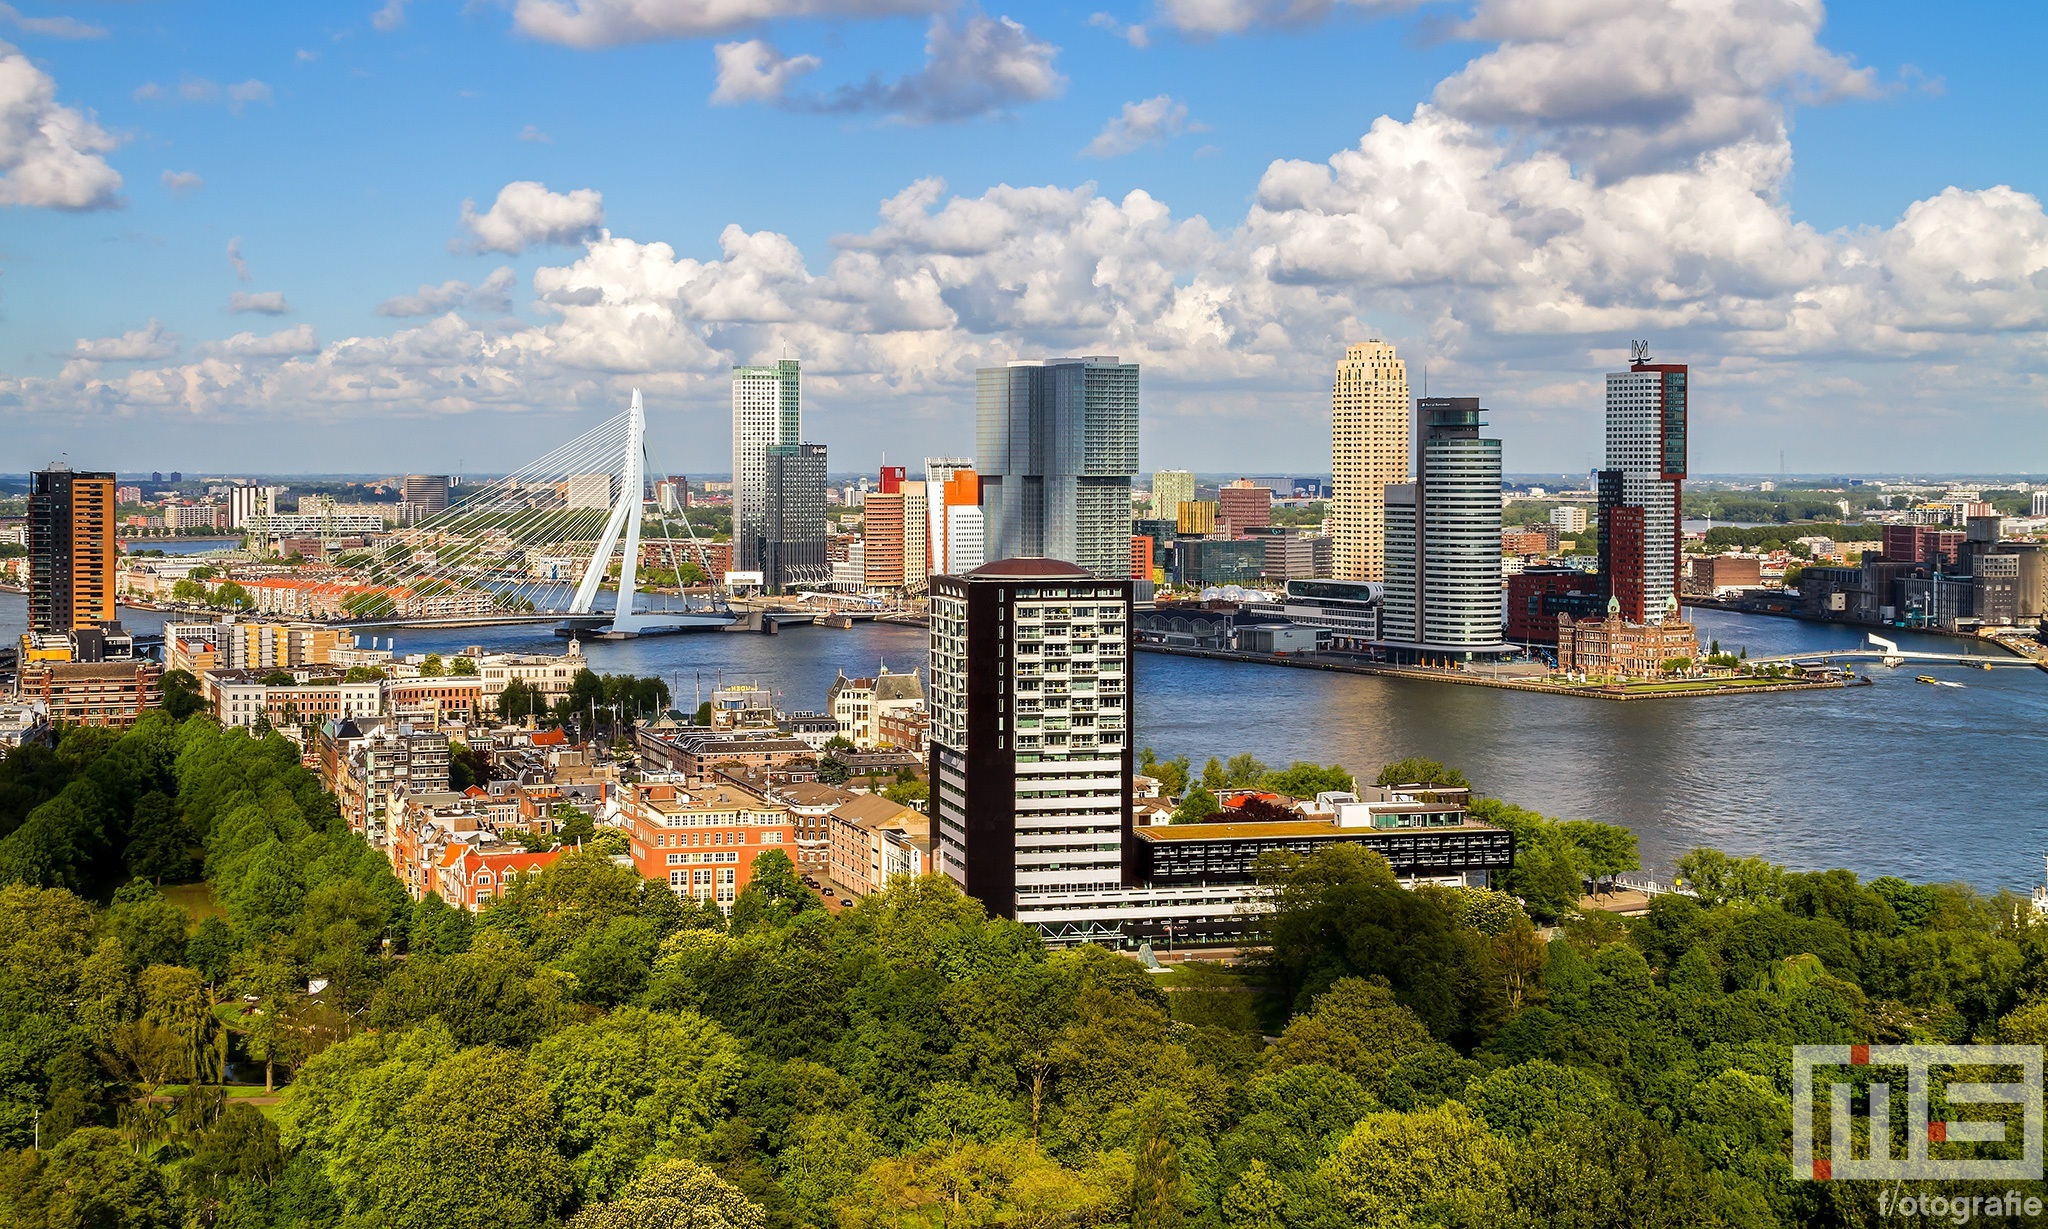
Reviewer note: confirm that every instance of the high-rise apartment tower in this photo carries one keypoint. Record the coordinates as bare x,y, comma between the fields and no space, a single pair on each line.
1056,444
1369,438
71,549
1030,728
767,409
1640,486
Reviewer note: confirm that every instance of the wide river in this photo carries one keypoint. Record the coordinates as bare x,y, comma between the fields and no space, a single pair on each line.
1931,783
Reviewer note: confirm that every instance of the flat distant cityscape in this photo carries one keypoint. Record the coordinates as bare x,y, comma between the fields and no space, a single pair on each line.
1039,566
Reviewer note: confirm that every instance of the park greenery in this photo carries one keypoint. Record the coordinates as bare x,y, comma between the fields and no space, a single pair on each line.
218,1007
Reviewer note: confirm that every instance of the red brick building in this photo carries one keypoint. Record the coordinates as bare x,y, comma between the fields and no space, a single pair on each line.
1920,543
109,693
1244,505
703,841
472,877
1614,647
1535,595
1621,529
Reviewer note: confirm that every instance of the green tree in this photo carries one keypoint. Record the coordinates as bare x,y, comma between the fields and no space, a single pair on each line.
1196,806
363,674
1356,1027
231,594
675,1193
431,667
476,1147
775,893
1302,779
463,667
1719,879
1417,771
161,845
181,692
94,1179
909,793
1432,1166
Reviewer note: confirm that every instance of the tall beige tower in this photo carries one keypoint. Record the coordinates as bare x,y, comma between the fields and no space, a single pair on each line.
1370,425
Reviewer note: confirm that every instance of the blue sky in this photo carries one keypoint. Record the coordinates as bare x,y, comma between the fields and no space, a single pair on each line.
1740,203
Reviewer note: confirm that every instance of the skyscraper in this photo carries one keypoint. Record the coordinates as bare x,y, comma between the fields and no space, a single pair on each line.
789,536
1030,735
1369,438
71,549
1639,488
1170,489
427,493
1056,443
1442,533
767,409
941,494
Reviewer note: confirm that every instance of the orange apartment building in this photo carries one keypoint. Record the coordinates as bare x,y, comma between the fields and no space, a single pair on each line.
470,878
703,840
71,548
882,531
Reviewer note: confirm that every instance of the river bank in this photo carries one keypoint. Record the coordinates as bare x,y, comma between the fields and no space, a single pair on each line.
1657,690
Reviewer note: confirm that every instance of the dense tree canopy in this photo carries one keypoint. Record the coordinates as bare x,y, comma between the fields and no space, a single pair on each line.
591,1051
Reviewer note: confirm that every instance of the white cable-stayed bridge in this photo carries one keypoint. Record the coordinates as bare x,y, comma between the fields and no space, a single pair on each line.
557,541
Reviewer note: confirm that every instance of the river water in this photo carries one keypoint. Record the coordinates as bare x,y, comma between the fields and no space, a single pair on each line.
1931,783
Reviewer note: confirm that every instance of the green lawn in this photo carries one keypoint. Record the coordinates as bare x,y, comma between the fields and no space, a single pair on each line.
196,899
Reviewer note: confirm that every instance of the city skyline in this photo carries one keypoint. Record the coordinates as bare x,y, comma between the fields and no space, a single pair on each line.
496,263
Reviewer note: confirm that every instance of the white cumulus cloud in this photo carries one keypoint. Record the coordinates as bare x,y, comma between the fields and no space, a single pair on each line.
50,155
182,183
1626,87
490,295
1202,18
973,66
262,302
149,343
1151,122
286,343
526,213
607,23
754,71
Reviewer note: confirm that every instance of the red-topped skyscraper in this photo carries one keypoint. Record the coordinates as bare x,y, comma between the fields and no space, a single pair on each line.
1641,483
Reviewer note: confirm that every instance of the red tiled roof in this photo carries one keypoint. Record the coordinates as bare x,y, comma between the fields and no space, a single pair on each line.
551,738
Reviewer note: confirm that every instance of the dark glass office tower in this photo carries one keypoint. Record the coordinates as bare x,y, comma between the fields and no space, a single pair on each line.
1056,443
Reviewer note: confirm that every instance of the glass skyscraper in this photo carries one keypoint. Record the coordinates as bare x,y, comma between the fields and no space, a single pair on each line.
1056,443
767,409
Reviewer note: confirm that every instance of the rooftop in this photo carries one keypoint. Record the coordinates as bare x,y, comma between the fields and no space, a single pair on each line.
1031,568
1309,829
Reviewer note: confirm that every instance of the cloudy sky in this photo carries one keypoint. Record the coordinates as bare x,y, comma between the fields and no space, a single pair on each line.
416,234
